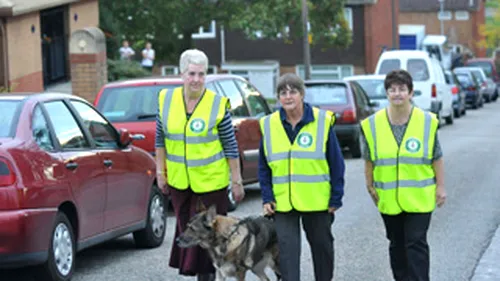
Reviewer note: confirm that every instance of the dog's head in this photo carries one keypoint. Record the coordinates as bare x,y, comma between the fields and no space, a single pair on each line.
200,227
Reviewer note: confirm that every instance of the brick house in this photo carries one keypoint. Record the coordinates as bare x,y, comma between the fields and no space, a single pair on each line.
370,21
461,19
34,38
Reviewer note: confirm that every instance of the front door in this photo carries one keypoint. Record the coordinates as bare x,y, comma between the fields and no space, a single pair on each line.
52,23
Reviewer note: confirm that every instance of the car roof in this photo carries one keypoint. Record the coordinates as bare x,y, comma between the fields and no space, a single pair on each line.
481,60
365,77
325,81
406,53
165,80
37,96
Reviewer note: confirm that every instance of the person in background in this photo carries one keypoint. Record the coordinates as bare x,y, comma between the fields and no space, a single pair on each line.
148,57
126,53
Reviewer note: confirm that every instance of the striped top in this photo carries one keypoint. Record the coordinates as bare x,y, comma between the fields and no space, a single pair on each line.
226,135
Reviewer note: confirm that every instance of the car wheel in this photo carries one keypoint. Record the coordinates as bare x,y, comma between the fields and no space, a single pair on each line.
449,119
61,260
457,113
153,234
231,203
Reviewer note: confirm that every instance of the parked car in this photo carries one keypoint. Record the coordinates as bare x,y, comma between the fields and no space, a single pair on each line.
489,67
428,78
69,180
488,87
474,94
132,104
459,93
349,102
373,85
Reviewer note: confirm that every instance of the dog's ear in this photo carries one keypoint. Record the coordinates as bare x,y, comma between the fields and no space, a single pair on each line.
211,214
200,207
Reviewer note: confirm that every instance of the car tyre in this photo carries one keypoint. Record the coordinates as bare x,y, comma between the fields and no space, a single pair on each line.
449,119
153,234
355,148
62,251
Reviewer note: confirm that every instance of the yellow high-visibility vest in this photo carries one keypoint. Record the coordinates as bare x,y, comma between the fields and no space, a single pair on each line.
194,153
300,172
403,175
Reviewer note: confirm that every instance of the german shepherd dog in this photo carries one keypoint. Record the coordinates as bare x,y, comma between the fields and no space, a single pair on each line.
234,245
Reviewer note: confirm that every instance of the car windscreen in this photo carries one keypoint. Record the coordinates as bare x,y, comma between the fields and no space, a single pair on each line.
326,94
389,65
374,88
464,79
418,69
131,104
486,66
8,119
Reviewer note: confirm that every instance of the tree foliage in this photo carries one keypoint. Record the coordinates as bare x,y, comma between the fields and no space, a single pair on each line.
169,24
490,31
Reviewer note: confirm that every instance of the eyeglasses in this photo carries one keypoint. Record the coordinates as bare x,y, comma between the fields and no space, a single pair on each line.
291,92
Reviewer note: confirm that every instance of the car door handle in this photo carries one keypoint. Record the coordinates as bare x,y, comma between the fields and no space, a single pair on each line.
71,165
108,163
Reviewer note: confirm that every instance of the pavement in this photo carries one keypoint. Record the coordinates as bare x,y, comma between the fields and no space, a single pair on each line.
488,268
462,239
62,87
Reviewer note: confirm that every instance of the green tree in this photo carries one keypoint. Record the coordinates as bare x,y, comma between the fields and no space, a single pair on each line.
171,23
490,31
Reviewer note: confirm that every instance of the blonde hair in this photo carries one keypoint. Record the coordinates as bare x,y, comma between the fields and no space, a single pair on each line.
192,56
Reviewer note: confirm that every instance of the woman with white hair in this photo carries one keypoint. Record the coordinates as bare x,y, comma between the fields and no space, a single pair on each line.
196,144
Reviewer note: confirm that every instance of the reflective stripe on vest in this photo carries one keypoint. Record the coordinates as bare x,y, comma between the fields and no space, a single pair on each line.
402,175
194,158
300,178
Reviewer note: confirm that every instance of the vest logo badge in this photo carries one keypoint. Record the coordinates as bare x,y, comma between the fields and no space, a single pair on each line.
197,125
305,140
412,145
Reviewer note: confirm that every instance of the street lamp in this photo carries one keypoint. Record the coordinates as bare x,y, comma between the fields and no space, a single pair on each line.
441,11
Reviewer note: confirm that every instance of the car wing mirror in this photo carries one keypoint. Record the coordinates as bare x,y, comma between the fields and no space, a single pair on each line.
125,138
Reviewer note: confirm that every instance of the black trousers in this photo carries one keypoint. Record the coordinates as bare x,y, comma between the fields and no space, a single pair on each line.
318,229
408,248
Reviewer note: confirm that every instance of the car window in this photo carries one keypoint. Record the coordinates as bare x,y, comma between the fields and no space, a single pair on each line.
258,105
326,94
374,88
40,130
464,79
478,75
486,66
102,132
238,107
359,95
131,104
212,87
68,133
389,65
8,120
418,69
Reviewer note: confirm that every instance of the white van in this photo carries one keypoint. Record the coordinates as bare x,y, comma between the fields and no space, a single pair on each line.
429,83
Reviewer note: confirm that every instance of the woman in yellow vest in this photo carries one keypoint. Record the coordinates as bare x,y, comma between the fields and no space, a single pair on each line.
404,175
196,147
301,175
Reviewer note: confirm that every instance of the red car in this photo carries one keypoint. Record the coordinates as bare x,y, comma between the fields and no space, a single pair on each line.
69,180
133,104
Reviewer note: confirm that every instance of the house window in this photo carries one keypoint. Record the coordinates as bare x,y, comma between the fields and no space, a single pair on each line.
326,71
445,15
205,32
348,17
462,15
174,70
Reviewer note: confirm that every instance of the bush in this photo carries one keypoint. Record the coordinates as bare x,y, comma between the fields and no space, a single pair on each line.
123,69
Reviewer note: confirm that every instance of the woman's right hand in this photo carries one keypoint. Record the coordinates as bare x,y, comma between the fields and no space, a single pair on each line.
162,184
269,208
